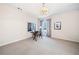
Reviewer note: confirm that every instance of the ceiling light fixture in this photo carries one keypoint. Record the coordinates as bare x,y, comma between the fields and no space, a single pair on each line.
44,9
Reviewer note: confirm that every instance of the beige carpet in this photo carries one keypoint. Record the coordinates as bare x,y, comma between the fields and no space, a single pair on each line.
44,46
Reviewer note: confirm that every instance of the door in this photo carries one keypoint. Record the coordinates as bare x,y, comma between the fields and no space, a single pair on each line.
45,27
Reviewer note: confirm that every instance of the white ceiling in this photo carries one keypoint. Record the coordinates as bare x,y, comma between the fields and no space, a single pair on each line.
53,8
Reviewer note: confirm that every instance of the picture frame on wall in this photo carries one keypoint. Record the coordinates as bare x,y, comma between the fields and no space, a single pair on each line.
57,25
31,27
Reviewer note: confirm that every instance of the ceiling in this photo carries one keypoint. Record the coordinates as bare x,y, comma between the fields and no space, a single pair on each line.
53,8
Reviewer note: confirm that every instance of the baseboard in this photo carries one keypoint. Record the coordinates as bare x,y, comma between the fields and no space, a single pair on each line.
64,39
13,42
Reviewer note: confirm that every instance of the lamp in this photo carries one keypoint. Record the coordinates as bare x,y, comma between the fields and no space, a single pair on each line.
44,9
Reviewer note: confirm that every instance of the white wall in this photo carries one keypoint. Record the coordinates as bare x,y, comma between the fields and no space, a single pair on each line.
13,24
70,26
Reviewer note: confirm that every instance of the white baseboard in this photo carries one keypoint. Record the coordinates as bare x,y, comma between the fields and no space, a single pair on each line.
65,39
12,42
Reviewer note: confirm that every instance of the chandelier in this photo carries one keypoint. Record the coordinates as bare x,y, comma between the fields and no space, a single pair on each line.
44,9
